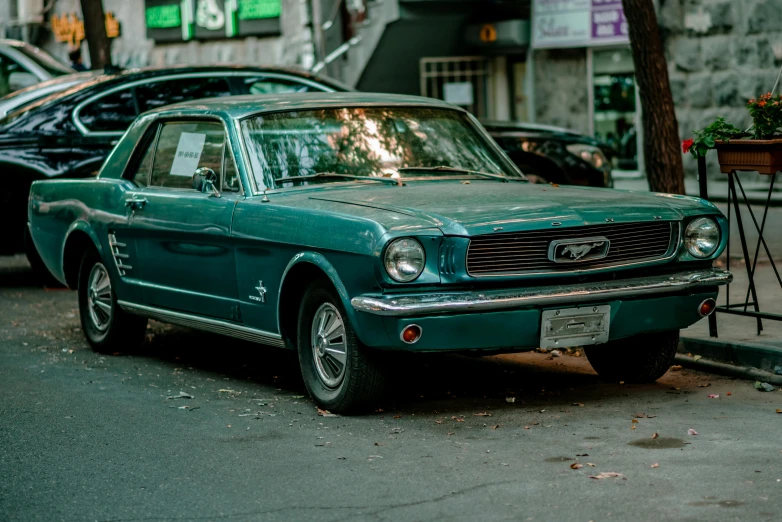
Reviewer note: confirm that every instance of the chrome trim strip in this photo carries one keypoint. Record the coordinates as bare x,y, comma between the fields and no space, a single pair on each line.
203,323
510,299
673,249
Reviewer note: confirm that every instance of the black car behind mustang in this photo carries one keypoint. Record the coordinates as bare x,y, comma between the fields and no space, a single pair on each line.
70,133
548,154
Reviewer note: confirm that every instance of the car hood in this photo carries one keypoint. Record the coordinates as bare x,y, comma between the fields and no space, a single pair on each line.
478,207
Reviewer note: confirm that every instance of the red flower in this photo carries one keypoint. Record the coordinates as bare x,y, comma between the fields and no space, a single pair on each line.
761,104
686,144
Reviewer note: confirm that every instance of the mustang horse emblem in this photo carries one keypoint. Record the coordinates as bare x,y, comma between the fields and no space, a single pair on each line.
578,251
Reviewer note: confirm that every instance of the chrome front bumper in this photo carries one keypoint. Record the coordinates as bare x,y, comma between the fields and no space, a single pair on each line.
495,300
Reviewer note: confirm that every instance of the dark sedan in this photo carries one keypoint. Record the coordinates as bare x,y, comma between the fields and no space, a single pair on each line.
68,134
548,154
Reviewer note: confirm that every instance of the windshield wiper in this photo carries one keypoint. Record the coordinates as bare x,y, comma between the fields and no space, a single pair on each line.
319,175
445,168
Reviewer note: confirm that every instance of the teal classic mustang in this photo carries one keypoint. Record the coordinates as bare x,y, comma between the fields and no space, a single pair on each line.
349,226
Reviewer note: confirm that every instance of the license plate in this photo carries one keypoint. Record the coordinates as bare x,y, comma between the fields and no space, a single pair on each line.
575,326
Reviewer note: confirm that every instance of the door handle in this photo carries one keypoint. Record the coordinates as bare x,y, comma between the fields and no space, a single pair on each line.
135,203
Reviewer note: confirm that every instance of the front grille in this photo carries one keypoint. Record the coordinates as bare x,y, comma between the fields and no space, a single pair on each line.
527,252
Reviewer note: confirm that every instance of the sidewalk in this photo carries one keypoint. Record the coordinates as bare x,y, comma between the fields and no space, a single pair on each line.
757,192
751,355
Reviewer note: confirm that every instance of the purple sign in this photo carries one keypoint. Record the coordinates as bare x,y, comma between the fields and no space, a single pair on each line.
608,20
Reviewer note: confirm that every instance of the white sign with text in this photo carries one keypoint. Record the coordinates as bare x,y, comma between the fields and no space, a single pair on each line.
188,154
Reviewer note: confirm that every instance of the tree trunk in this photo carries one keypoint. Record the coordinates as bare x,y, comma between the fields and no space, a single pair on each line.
662,153
95,33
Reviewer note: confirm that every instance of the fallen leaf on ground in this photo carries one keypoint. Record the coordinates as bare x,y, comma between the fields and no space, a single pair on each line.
582,454
576,465
691,432
225,390
482,414
605,474
510,399
655,465
714,396
634,421
763,386
644,416
438,421
632,426
181,395
704,385
779,410
655,435
590,465
495,427
579,404
729,394
326,413
457,419
526,427
697,357
676,367
398,416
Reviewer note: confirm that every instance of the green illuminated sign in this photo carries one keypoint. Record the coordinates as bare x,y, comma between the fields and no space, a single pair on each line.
163,16
257,9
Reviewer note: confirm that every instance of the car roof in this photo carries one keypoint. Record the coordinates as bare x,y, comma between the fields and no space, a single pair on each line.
247,105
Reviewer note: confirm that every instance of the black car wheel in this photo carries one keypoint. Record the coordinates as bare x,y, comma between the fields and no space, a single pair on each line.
106,326
340,373
643,358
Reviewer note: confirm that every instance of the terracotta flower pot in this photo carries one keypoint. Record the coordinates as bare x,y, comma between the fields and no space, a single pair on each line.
763,156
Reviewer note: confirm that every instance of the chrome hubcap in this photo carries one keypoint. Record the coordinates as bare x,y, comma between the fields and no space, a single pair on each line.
328,345
99,297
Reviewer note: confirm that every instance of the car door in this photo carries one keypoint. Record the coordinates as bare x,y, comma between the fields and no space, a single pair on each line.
180,223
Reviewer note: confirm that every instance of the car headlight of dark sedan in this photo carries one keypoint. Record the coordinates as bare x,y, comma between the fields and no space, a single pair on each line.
702,237
404,259
592,155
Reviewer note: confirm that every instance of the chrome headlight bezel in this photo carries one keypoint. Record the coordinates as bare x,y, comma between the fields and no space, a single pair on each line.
702,237
404,251
590,154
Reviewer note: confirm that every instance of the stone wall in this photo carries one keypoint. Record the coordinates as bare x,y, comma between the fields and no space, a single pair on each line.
720,54
561,95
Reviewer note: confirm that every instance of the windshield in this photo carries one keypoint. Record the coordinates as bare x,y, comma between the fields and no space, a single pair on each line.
368,142
45,60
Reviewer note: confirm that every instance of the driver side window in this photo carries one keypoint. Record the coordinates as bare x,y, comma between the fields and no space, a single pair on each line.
183,148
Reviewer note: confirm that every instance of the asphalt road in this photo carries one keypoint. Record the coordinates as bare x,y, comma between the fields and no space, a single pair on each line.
85,437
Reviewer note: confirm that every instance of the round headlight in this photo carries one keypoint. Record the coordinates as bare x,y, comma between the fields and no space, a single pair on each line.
702,237
404,259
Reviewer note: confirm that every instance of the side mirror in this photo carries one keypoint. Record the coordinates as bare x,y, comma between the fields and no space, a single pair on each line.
205,181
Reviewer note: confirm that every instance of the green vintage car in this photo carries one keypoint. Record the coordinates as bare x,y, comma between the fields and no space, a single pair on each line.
351,226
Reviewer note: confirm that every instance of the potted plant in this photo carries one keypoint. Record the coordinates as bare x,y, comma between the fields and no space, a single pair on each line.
758,148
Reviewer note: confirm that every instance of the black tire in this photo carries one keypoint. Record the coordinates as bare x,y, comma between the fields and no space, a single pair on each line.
363,377
41,273
119,331
644,358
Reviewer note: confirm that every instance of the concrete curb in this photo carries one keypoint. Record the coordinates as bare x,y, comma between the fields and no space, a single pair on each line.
752,361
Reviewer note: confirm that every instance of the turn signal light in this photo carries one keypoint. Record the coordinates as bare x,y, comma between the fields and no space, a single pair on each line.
707,307
411,333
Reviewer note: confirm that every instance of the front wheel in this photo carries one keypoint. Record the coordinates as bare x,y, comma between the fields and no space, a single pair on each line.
340,373
643,358
106,326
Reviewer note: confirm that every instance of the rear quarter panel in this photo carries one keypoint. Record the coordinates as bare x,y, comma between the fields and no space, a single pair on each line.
59,207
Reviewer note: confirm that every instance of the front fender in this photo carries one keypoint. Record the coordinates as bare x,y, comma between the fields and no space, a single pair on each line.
321,262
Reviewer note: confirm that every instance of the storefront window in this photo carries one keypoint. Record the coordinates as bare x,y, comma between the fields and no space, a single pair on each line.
615,119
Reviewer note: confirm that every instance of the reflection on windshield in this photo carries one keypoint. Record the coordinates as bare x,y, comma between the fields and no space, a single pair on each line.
367,142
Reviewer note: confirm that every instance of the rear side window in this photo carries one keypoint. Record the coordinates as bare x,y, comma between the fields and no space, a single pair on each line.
184,147
154,95
111,113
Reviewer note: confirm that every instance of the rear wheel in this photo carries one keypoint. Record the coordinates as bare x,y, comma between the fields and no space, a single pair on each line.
643,358
106,326
340,373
